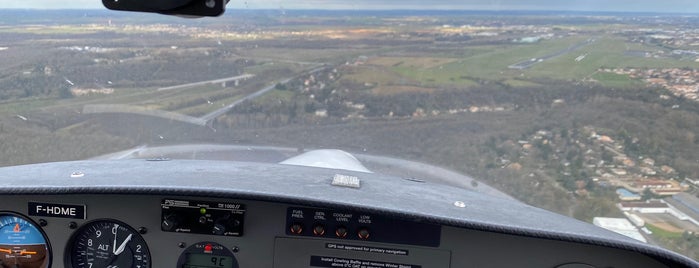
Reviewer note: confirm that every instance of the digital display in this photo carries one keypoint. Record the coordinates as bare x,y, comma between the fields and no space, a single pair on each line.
208,261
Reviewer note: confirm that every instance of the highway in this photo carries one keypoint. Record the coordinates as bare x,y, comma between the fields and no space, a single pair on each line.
213,81
218,112
130,109
212,115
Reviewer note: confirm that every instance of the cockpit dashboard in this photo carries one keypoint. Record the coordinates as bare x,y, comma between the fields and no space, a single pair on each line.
196,213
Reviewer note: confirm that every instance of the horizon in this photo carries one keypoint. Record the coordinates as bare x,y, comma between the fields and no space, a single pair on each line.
614,6
228,9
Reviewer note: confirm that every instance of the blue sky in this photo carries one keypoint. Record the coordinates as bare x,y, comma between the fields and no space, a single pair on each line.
691,6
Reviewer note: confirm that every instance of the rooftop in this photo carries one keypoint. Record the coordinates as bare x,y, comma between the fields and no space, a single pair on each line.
653,183
690,201
685,203
625,193
619,225
654,204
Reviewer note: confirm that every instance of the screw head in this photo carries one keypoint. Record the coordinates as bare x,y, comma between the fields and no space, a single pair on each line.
43,222
72,225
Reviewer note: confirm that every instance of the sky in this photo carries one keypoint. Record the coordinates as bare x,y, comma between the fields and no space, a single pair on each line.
683,6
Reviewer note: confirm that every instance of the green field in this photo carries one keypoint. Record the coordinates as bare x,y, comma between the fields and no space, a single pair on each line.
276,95
662,233
521,83
389,90
491,63
303,54
267,66
376,75
61,29
202,109
20,106
604,52
616,80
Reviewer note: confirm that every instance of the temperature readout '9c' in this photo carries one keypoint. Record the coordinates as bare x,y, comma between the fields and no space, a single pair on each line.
208,261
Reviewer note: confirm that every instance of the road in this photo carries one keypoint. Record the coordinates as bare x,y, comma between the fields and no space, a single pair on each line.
213,81
412,170
203,120
212,115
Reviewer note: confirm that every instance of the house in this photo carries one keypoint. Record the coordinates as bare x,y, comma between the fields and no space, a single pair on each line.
605,139
626,195
321,113
659,187
647,171
653,206
618,171
652,184
667,169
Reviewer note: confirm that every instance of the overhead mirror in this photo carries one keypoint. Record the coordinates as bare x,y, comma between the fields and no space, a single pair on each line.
187,8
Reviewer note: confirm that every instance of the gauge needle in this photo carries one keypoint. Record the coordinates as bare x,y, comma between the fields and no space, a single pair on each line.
24,251
123,245
9,251
114,231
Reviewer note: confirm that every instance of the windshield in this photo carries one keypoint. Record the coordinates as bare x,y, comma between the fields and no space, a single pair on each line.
585,108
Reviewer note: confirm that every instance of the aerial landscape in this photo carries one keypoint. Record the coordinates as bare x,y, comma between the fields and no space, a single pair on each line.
590,115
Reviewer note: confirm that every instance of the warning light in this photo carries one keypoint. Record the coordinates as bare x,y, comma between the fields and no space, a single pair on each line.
16,229
202,210
208,248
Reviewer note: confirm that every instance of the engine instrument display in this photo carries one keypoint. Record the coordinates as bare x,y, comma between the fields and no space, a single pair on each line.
207,255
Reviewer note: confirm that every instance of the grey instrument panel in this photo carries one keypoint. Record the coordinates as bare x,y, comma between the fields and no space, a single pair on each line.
265,241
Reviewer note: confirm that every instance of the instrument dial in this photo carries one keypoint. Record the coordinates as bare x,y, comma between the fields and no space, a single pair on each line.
22,243
108,243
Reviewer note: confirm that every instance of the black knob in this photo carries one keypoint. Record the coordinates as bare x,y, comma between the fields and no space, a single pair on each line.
169,223
219,229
